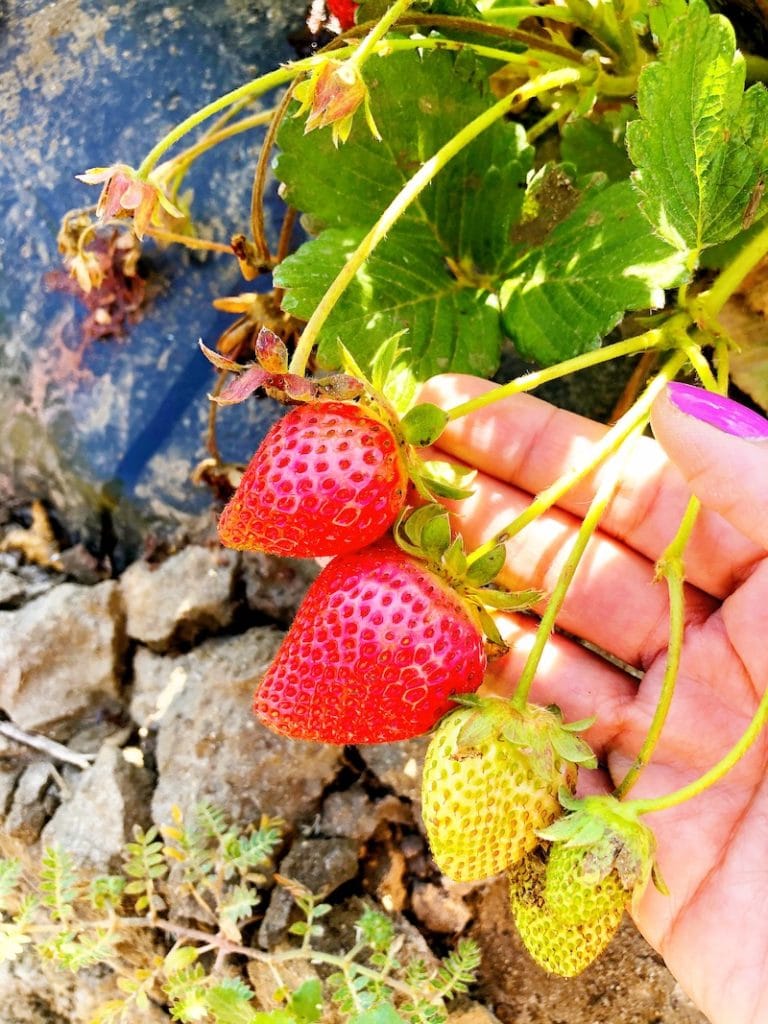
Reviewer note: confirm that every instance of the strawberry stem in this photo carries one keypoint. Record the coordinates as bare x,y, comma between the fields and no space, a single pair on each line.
412,189
610,443
377,33
598,505
530,381
256,87
715,774
672,568
709,304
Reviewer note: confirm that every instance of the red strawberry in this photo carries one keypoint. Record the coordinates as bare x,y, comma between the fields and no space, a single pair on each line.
344,12
378,646
327,479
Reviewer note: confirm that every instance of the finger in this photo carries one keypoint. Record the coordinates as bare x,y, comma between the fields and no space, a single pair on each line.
727,472
530,443
579,682
613,601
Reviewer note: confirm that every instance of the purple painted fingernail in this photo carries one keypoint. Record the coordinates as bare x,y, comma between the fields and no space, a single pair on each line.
720,412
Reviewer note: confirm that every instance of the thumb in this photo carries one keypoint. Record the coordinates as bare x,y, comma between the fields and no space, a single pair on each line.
721,449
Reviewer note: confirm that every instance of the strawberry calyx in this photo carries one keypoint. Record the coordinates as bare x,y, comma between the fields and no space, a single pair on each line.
270,373
550,745
425,533
611,839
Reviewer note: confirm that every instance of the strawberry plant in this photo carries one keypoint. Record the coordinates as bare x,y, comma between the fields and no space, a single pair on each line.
582,181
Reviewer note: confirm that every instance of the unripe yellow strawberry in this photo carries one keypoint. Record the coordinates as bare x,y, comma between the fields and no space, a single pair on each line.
491,779
559,946
601,856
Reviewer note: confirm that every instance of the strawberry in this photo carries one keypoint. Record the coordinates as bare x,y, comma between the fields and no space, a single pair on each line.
327,479
344,11
491,779
559,946
568,897
377,648
601,857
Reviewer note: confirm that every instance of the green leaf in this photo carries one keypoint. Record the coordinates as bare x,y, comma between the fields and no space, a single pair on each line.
700,145
58,882
230,1006
436,273
662,14
600,262
597,147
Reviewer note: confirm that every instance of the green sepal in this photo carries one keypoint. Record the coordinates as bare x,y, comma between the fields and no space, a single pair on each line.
487,568
574,749
581,725
423,424
454,559
509,600
414,524
491,631
447,480
436,535
573,830
658,879
349,364
384,359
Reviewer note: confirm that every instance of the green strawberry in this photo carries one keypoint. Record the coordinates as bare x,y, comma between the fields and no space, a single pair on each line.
601,857
491,778
559,946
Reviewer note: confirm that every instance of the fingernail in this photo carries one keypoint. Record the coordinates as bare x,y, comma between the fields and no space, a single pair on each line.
718,411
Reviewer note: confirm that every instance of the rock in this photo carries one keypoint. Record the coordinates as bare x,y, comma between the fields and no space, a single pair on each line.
60,658
441,910
209,745
9,777
352,813
36,991
472,1013
12,588
30,804
398,765
178,600
276,586
322,865
112,792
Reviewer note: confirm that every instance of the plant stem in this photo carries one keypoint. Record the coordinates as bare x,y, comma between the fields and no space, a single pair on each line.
256,87
558,111
715,774
671,566
610,443
549,11
597,507
530,381
190,241
179,164
712,301
377,33
410,191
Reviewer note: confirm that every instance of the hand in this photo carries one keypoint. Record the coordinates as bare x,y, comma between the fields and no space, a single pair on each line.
712,930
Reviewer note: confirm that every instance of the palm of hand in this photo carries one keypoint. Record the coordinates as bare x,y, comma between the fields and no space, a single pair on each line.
712,929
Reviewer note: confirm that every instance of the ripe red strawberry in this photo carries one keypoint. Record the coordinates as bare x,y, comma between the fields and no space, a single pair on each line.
344,12
378,646
327,479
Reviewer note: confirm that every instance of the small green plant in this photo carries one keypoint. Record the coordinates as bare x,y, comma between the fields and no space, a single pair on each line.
136,923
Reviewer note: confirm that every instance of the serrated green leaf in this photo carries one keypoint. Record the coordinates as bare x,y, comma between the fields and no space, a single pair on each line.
423,424
596,147
230,1006
436,272
662,15
602,261
701,143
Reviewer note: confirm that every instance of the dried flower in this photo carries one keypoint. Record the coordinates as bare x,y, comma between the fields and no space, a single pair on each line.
125,194
332,94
